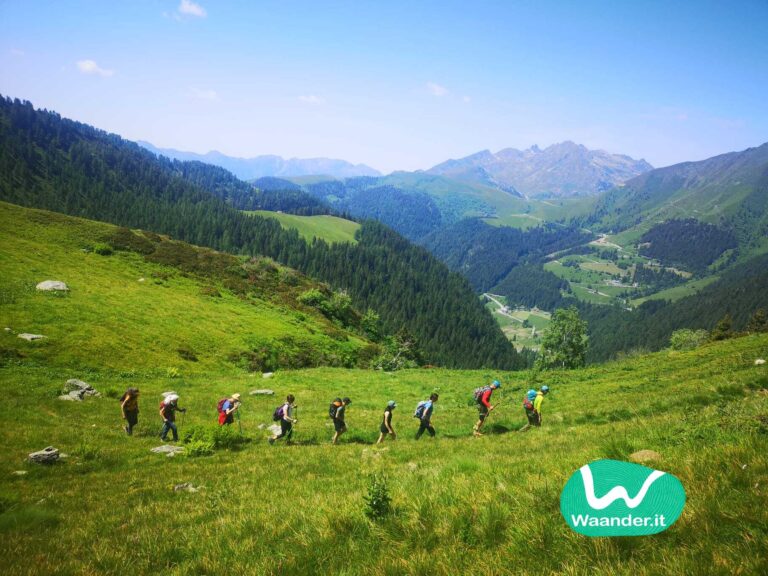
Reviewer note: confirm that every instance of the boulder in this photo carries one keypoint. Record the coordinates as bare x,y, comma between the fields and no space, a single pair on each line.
264,392
77,390
167,449
759,362
267,374
31,337
47,455
166,394
274,429
645,456
52,286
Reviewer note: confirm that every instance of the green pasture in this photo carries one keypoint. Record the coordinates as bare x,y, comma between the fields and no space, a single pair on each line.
460,504
328,228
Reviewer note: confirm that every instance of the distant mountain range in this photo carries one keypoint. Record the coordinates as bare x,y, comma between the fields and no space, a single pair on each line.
561,170
267,166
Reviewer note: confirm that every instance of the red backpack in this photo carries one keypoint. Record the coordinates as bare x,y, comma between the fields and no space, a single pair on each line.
220,405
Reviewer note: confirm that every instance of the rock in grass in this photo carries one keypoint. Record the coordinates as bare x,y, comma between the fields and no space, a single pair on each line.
30,337
47,455
267,374
166,394
19,472
167,449
759,362
275,429
264,392
77,389
52,286
645,456
185,487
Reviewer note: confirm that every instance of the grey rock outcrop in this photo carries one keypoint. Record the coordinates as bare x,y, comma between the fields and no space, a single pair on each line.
47,455
264,392
185,487
267,374
76,390
52,286
168,450
30,337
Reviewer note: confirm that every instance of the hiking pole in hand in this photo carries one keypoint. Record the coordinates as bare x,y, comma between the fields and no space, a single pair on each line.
237,414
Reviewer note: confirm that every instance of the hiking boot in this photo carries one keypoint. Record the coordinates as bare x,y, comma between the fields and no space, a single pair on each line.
478,433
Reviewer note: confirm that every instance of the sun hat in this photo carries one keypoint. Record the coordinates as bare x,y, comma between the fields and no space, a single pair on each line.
236,396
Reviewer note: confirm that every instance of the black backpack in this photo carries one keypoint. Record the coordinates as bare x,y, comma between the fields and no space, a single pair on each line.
333,408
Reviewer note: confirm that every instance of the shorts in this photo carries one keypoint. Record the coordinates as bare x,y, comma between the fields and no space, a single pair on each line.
384,430
339,425
483,411
533,418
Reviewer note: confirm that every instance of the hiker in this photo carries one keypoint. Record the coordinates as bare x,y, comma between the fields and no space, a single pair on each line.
484,406
337,411
532,404
424,414
386,423
168,408
227,408
129,406
284,414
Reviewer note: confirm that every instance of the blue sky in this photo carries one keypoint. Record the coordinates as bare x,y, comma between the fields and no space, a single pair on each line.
398,85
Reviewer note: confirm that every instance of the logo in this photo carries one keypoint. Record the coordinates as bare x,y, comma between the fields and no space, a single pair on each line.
612,498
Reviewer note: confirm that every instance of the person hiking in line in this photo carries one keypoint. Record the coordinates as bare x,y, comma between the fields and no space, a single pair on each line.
227,408
129,406
484,406
424,414
338,417
168,408
533,408
386,423
284,414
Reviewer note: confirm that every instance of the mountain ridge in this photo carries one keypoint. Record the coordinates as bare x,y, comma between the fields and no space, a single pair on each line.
560,170
268,165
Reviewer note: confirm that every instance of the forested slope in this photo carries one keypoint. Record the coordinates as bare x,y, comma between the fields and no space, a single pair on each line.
57,164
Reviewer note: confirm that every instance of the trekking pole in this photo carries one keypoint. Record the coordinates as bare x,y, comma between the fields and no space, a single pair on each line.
239,425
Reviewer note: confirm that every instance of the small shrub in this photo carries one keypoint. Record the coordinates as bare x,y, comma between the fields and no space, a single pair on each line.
103,249
187,354
686,339
378,503
210,291
87,452
112,393
172,372
198,448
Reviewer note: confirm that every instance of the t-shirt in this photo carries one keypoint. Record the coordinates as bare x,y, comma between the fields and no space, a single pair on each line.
538,401
340,412
485,399
228,404
428,408
287,412
131,403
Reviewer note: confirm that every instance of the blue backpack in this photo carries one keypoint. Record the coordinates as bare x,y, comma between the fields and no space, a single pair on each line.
419,413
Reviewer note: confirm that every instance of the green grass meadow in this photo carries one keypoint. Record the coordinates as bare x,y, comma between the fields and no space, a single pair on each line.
328,228
461,505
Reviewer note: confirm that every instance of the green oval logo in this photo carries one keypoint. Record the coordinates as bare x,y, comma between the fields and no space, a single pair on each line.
612,498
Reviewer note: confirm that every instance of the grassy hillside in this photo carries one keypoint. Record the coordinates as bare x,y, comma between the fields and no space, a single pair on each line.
462,504
329,228
127,312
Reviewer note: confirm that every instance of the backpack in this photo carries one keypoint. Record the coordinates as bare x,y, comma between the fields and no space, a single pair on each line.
528,399
478,395
220,405
277,415
335,405
419,413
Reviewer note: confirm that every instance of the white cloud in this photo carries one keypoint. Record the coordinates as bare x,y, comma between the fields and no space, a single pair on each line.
436,89
189,8
312,99
210,95
90,67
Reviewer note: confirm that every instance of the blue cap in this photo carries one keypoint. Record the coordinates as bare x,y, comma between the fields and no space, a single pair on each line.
496,383
545,388
391,404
